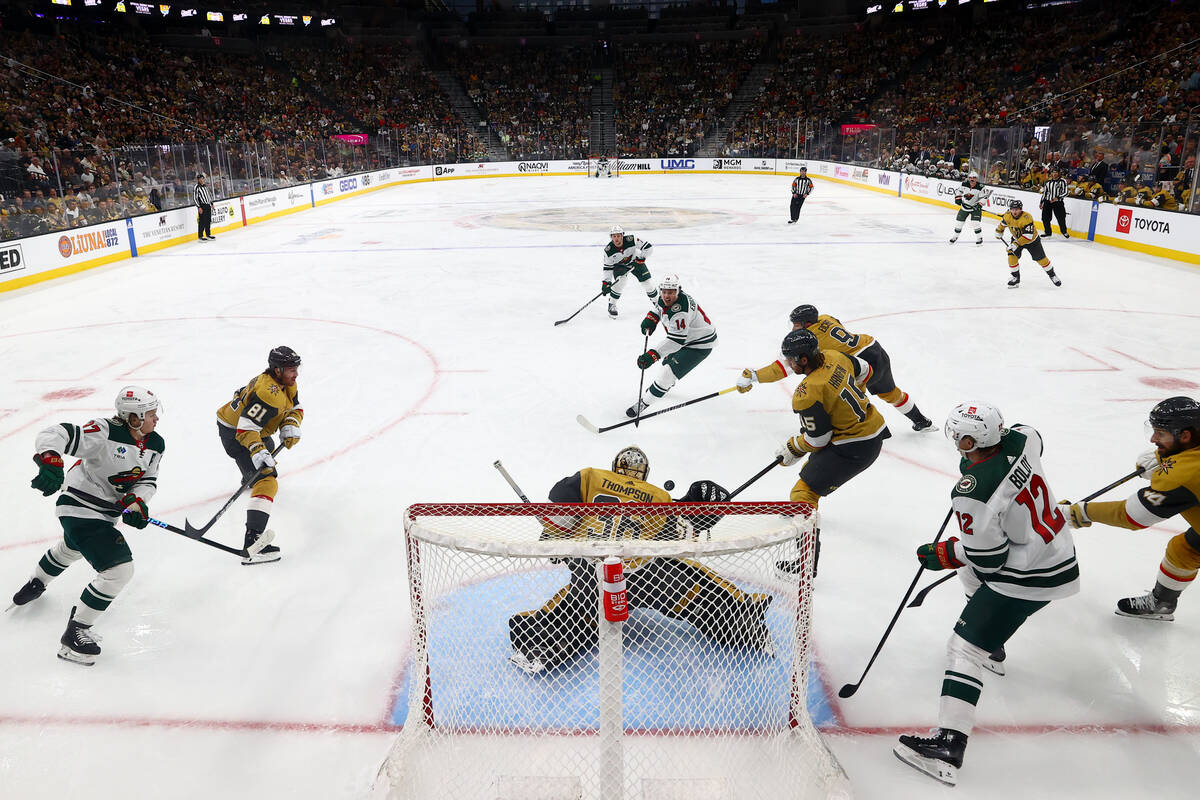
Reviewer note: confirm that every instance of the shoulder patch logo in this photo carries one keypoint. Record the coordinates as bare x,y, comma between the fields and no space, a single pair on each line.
675,307
966,484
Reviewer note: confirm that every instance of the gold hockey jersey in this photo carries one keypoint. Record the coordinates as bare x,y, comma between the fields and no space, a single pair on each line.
260,408
1174,489
1021,226
833,405
592,485
830,336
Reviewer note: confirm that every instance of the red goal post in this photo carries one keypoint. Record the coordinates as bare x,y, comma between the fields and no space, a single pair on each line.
519,687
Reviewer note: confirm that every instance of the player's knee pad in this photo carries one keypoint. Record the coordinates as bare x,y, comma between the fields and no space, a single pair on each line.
1184,550
265,488
894,397
803,493
1044,263
62,555
1012,261
112,580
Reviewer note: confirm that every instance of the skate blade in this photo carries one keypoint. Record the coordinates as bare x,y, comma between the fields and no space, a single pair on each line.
938,770
262,558
67,654
530,666
1163,617
995,667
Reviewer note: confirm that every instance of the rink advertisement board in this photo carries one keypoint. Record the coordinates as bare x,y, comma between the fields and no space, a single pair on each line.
164,229
275,203
51,255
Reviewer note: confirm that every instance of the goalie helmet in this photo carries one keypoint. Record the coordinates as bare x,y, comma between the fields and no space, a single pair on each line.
282,356
134,401
616,230
669,283
799,343
1176,414
805,315
982,422
633,462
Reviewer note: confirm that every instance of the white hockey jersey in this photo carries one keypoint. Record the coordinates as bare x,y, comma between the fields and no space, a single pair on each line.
972,198
687,326
110,464
1013,535
619,260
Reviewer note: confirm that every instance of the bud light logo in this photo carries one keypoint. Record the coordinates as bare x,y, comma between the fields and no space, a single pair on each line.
677,163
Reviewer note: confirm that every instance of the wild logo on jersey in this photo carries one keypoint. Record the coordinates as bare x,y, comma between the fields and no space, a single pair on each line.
126,478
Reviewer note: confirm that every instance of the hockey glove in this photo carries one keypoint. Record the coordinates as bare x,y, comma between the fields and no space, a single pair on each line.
50,473
793,450
1147,462
746,381
291,435
705,492
1000,236
958,201
649,323
647,358
605,287
1077,514
262,459
939,556
135,513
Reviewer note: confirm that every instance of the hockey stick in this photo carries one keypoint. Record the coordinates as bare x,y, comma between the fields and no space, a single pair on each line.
265,539
582,420
581,308
637,418
920,598
850,688
757,475
511,482
196,533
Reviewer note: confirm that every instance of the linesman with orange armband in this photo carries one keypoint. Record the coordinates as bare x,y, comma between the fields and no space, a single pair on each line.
832,336
269,403
1173,468
840,428
1023,230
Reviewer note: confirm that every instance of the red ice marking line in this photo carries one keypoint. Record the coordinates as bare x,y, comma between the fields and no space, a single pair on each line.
29,543
918,464
43,720
91,374
1107,367
1147,363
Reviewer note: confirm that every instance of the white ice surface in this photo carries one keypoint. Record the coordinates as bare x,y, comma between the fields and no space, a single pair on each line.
424,316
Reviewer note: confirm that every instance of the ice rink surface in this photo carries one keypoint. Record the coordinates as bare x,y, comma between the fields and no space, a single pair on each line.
424,315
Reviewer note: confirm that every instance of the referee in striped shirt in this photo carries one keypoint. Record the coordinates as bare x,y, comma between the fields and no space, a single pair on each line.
204,201
1053,192
801,188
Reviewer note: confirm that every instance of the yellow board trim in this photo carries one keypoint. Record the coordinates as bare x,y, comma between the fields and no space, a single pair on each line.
60,272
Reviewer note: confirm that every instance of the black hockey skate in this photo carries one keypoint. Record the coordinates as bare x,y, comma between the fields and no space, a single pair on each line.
1057,281
1014,282
636,408
938,756
78,644
612,309
1148,606
264,556
995,661
29,592
921,423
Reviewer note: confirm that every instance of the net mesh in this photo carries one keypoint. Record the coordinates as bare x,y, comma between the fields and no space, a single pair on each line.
519,687
603,166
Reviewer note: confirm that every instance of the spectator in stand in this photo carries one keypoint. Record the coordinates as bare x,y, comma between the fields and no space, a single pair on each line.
1098,170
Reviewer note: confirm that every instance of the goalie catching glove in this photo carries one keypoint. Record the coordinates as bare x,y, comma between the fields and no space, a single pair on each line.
746,381
646,359
134,511
704,492
50,473
939,556
793,450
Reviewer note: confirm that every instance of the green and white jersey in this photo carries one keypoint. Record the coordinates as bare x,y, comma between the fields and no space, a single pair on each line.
111,463
687,326
619,260
1013,534
972,196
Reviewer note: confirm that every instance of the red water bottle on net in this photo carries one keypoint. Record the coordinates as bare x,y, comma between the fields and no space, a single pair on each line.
616,605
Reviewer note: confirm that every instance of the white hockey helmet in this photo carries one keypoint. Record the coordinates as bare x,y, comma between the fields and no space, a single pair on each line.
982,422
632,461
669,281
134,401
616,229
973,174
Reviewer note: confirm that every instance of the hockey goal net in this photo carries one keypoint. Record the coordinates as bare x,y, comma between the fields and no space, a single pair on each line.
604,167
521,686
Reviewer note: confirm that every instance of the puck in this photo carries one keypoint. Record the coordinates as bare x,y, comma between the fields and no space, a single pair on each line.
669,485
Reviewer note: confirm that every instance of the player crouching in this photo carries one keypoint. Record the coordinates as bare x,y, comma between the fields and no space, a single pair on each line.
680,588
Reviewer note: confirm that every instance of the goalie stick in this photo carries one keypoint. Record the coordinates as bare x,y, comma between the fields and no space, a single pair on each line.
504,473
582,420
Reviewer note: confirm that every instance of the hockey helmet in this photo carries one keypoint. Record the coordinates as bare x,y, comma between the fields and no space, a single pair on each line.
669,283
135,401
632,461
973,175
799,343
1176,414
616,230
982,422
804,315
283,356
1016,205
